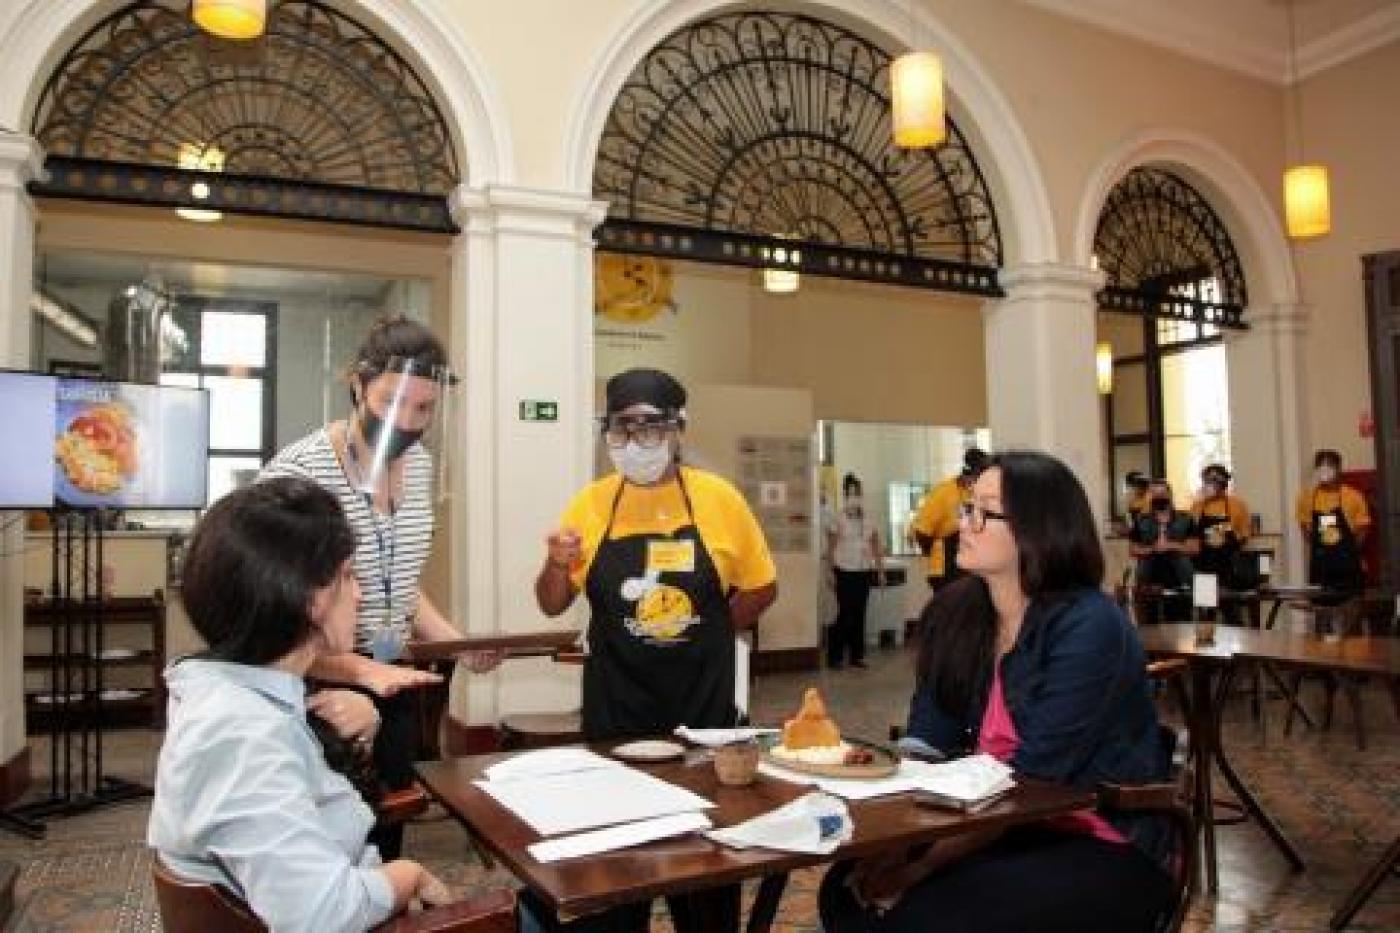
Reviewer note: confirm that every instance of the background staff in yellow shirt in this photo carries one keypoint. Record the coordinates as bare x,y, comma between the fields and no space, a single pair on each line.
1222,520
1334,521
935,526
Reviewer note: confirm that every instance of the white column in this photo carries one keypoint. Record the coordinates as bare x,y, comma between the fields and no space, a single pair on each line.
522,311
1270,447
1041,391
20,160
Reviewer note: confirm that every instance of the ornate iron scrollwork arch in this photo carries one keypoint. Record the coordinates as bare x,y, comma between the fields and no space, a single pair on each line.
751,136
317,118
1158,240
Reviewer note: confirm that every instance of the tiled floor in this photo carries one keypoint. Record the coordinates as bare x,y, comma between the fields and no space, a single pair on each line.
1339,805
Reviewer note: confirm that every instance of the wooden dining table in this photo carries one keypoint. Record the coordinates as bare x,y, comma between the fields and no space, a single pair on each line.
1212,669
590,884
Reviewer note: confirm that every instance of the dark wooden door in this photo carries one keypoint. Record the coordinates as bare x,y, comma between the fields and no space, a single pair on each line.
1382,278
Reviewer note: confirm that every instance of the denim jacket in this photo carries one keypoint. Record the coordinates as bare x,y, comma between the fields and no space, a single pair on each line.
1076,685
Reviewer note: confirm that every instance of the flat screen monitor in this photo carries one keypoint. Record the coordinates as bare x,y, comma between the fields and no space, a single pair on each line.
87,443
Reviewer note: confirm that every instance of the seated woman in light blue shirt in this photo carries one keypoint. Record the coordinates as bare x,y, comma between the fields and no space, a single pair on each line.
244,798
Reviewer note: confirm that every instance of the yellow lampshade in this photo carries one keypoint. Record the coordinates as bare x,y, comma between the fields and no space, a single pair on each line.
780,281
1307,203
916,92
231,19
1103,367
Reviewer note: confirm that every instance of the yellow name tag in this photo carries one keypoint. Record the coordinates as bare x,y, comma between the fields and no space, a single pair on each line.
671,556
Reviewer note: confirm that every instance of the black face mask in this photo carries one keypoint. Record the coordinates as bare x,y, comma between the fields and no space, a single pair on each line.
399,440
1161,504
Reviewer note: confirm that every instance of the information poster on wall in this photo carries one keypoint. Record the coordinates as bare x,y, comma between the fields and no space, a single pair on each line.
775,476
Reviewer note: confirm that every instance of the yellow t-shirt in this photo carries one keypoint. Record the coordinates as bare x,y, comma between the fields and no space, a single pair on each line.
938,519
722,517
1231,507
1353,506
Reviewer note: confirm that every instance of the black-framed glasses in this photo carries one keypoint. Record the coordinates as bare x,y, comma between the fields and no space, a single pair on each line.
648,434
976,516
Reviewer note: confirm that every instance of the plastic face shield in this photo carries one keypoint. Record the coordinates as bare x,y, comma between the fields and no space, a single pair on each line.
401,403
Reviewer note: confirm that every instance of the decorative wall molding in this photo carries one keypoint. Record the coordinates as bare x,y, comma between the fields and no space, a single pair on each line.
1174,28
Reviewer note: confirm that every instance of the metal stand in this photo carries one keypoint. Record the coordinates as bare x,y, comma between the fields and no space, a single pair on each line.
77,783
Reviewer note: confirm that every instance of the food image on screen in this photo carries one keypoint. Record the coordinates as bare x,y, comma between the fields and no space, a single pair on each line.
98,451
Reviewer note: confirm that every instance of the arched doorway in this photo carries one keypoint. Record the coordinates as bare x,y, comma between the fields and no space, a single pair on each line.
141,114
746,155
1268,437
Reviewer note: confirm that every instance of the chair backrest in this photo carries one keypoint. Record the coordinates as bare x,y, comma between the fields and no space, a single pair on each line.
1170,799
196,907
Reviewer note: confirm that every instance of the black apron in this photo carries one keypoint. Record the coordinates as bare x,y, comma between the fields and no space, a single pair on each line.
661,646
1218,559
1334,554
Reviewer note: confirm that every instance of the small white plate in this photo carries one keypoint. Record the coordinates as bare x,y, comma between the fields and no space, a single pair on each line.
117,654
649,750
116,696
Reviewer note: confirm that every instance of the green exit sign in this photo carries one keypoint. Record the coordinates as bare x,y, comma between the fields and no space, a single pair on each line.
533,410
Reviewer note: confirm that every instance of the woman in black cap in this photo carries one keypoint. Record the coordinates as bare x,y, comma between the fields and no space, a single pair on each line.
673,564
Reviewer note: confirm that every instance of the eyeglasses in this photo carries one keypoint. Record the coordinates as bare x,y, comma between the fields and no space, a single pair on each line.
976,516
646,434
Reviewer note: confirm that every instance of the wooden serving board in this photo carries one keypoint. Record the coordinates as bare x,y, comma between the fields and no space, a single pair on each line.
886,762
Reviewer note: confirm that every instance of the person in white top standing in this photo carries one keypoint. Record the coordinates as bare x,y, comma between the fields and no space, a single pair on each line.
853,547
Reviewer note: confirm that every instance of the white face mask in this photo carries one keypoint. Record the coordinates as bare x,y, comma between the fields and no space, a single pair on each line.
641,465
1326,474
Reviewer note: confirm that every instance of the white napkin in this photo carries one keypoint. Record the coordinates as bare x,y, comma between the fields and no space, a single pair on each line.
713,738
966,780
814,824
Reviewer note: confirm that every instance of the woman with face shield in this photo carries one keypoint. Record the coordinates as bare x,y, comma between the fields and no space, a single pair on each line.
379,472
673,564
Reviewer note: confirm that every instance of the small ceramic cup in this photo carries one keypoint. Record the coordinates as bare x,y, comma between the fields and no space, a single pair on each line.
736,764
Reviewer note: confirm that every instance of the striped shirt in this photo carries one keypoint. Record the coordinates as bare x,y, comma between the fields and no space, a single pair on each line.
390,548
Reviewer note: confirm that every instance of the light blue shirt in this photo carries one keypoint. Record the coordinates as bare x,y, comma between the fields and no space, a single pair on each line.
244,799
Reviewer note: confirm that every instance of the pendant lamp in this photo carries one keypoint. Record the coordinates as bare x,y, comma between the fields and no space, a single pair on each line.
916,95
1307,203
231,19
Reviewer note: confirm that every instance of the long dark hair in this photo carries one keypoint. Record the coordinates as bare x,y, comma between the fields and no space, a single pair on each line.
1059,553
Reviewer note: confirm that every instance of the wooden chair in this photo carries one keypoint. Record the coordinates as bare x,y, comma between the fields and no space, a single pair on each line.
1353,617
196,907
1169,799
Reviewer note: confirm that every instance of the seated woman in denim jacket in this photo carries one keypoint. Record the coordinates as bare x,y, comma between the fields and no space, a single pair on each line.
1027,660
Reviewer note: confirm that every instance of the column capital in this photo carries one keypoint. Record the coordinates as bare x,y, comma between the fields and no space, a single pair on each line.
527,212
21,159
1052,280
1279,317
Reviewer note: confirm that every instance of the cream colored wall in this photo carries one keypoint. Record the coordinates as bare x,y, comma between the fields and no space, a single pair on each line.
1079,91
1349,124
720,415
873,352
704,339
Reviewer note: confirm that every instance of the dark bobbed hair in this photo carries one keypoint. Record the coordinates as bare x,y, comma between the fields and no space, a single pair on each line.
850,482
1059,554
1327,455
254,562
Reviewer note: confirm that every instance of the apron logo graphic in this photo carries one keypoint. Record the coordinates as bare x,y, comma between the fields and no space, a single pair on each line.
663,613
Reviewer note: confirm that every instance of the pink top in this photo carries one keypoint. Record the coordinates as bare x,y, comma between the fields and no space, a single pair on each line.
998,738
